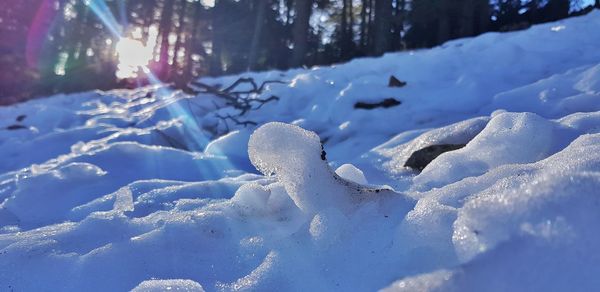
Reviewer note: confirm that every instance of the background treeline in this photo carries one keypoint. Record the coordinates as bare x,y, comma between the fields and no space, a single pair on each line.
49,46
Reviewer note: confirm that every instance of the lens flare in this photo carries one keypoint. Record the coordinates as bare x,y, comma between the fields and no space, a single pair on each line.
103,13
134,59
133,56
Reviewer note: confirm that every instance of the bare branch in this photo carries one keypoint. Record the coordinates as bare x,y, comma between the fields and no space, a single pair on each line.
243,101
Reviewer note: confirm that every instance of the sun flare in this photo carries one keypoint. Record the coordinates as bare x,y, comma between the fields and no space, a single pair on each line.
133,55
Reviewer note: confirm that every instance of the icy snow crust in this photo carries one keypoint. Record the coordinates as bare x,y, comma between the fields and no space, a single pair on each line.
122,190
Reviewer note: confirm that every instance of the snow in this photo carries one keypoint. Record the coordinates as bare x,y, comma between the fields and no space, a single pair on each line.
140,189
168,285
351,173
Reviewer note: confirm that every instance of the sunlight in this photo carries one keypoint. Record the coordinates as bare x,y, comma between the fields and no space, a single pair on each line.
133,55
208,3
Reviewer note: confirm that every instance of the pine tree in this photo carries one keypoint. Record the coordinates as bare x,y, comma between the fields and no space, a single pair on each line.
300,31
383,26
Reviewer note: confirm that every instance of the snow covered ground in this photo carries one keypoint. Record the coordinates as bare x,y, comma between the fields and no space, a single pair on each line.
121,190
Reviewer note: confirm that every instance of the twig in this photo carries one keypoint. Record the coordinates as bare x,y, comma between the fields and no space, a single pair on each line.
241,100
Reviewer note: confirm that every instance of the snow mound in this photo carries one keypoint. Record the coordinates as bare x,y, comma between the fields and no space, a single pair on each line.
508,138
555,193
296,157
351,173
399,148
540,241
233,146
576,90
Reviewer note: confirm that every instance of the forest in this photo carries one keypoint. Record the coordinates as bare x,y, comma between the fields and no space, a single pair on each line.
52,46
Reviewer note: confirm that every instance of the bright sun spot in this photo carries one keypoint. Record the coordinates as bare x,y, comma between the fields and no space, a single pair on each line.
208,3
133,56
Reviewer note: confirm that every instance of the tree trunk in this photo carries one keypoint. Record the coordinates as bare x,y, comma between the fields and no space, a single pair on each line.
483,16
443,30
398,25
467,18
166,23
351,18
75,38
289,5
346,32
261,8
147,12
534,11
217,12
363,25
370,26
192,44
300,31
180,39
383,25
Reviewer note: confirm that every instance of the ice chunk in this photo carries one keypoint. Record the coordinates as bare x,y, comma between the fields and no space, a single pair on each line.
168,285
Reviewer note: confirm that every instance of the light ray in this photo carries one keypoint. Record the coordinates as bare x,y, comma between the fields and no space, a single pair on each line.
196,139
194,133
102,11
176,110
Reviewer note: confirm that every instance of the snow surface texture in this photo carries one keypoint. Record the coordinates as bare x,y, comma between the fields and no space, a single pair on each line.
168,285
122,190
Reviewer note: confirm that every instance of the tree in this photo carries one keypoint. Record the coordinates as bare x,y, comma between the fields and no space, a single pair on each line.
364,24
398,22
260,11
165,27
383,26
179,43
556,9
300,31
194,47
